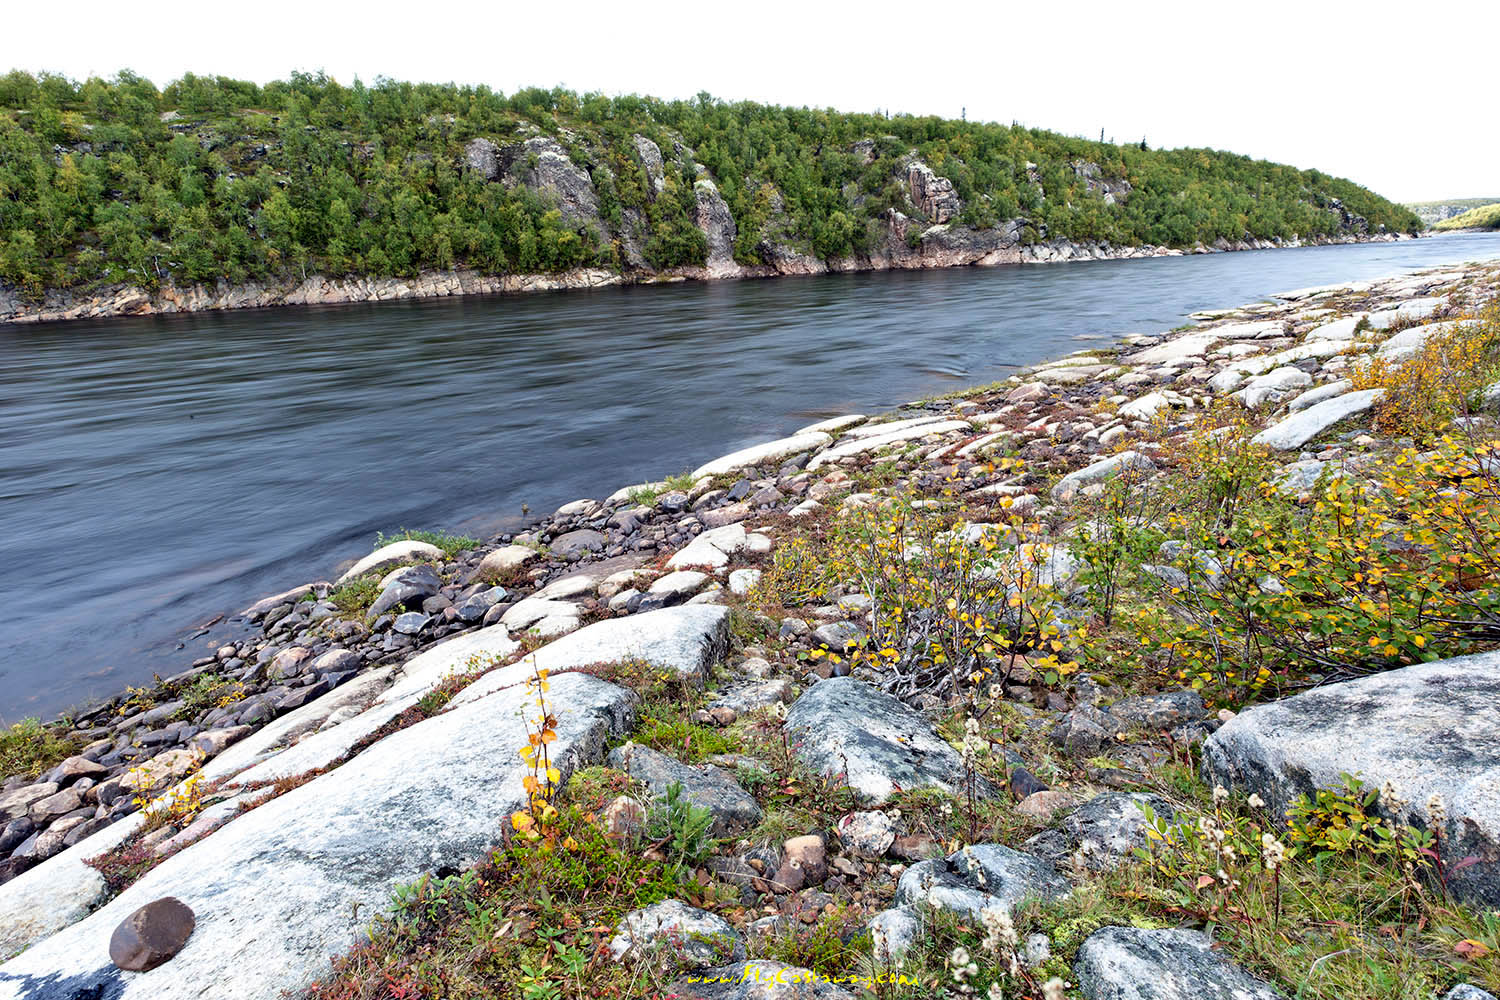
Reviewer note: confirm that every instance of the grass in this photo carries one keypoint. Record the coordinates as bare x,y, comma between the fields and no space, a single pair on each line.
356,596
450,544
28,747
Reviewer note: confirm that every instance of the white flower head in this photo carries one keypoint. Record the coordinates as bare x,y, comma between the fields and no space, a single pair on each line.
1256,802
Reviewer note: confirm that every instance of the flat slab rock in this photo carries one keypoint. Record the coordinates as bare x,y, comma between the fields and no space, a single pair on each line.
881,745
691,937
703,785
274,891
1101,832
684,640
1131,963
760,979
1430,729
1301,427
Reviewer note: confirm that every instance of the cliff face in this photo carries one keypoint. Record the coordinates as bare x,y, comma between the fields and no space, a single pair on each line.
925,232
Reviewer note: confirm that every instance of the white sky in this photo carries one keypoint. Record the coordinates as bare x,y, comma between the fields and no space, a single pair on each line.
1399,98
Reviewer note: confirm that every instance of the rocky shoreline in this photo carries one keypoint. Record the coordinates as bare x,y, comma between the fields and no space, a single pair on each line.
940,246
323,706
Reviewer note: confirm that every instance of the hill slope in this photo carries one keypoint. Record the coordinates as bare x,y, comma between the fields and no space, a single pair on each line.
116,182
1433,212
1481,217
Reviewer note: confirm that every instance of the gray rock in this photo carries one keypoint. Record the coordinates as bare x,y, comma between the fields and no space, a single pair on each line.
840,635
411,584
1428,730
396,553
684,641
703,785
691,937
411,623
1467,991
482,157
1161,711
749,697
1300,428
441,788
474,607
1319,393
866,834
980,877
1101,832
759,979
1105,468
893,932
880,745
576,543
542,164
1129,963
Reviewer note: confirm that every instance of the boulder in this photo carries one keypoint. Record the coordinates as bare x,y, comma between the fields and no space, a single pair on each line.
1300,428
1101,832
431,796
704,785
503,561
412,584
843,725
1317,394
406,550
1132,963
576,543
880,436
893,932
1431,732
712,548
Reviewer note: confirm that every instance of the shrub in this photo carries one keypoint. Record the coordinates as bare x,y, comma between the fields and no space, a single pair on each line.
1425,391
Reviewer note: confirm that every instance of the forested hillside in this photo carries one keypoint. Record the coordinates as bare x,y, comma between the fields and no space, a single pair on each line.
111,181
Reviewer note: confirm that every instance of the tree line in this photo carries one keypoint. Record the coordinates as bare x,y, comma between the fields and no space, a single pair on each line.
115,180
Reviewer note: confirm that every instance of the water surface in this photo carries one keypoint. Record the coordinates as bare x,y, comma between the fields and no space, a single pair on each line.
156,472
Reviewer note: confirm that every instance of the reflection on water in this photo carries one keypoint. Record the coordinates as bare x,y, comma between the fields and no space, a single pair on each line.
157,472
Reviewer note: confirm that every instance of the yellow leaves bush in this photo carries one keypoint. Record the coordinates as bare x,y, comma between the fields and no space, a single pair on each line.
1426,390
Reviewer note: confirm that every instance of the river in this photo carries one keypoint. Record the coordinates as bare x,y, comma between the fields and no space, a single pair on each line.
157,472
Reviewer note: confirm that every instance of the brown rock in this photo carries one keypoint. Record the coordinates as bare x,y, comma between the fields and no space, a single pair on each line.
1044,805
82,767
56,804
808,854
915,847
624,817
151,935
723,715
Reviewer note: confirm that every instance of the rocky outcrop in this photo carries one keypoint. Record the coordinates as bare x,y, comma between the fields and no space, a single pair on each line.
932,195
1132,963
542,164
331,851
717,223
1425,733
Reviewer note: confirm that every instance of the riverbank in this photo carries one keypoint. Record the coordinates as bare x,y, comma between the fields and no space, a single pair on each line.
765,577
940,246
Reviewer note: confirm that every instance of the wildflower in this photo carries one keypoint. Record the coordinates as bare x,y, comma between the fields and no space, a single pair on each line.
1256,802
1052,989
999,929
1437,811
995,992
1272,852
1221,794
963,965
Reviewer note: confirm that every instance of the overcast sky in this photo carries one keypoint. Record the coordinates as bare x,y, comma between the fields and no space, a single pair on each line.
1401,99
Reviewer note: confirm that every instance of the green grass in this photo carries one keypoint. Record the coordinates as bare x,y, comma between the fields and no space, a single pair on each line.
1484,217
450,544
358,594
28,748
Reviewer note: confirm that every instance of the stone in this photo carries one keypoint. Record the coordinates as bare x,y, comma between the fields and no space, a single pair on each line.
151,935
1429,730
1468,991
742,581
1408,343
576,543
1406,312
474,607
1192,345
692,938
712,548
1044,805
1132,963
411,622
406,585
893,932
760,979
1098,472
704,785
1145,407
843,725
1339,329
1101,832
1161,711
80,767
162,770
406,550
749,697
680,583
684,641
977,878
442,789
876,441
503,562
19,802
1319,393
265,604
866,834
624,817
1301,427
761,454
808,854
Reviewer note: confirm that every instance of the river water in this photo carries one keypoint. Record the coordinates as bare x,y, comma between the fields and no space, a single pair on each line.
156,472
